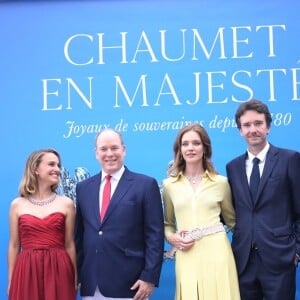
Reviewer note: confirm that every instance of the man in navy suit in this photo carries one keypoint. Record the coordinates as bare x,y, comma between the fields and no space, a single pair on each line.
266,239
119,255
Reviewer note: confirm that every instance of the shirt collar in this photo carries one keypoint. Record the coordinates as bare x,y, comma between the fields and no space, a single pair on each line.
261,155
180,175
117,175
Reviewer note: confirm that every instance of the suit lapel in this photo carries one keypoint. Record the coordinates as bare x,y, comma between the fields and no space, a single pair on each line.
123,186
244,179
270,162
94,197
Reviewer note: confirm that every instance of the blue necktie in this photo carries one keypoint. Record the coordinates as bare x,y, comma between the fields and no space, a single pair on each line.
254,178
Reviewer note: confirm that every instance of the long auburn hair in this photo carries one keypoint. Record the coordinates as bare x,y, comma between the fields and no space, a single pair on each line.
179,163
29,181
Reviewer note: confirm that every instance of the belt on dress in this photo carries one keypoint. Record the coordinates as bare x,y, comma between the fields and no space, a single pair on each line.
199,233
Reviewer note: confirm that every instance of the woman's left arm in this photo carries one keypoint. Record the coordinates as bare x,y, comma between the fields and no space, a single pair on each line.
227,209
69,234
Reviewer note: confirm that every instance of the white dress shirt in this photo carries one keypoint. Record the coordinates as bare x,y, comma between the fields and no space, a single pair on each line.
114,180
261,156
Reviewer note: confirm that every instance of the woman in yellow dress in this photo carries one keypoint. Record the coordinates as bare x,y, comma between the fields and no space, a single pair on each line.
196,202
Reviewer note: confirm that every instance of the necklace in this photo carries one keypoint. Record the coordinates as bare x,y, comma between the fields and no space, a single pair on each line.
41,202
194,179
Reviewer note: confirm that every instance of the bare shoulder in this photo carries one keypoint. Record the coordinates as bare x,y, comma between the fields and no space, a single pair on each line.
17,204
68,202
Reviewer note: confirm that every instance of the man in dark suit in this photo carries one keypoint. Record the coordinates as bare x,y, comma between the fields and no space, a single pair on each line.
266,239
119,254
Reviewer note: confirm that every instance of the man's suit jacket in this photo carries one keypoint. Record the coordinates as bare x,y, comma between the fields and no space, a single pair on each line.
128,245
273,221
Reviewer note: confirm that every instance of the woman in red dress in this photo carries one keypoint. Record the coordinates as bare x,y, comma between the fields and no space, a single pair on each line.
41,252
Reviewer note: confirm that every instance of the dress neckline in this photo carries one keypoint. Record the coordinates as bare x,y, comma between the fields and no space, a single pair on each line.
42,218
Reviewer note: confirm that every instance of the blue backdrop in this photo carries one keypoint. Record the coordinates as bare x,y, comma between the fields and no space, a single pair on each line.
146,68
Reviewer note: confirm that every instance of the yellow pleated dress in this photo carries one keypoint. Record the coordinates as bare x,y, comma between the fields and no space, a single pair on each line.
206,271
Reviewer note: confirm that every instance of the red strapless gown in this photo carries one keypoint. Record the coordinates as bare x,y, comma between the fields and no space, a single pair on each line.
43,270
